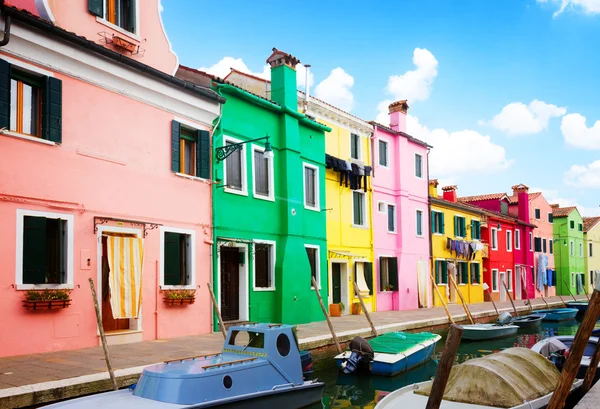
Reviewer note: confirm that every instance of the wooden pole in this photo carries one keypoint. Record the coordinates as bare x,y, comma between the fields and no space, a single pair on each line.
487,288
364,308
547,306
570,292
510,298
563,301
441,299
530,306
444,367
569,371
464,304
335,340
214,302
591,371
103,336
586,293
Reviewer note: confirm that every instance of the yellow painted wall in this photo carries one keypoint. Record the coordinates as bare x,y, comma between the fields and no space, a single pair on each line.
472,293
592,263
342,236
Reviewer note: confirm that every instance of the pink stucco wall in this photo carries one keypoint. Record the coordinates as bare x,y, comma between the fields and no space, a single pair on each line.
545,230
114,161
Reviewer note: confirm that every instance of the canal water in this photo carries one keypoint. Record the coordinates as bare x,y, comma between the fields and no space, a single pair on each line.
351,391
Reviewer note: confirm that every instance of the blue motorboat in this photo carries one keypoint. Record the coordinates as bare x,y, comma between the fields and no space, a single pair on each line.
559,314
581,306
259,366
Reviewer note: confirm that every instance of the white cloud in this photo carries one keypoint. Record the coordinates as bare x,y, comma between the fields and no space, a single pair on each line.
576,132
415,85
584,6
160,6
335,89
301,77
517,118
584,175
553,197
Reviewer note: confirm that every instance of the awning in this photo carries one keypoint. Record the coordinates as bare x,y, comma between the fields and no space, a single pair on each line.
125,259
345,254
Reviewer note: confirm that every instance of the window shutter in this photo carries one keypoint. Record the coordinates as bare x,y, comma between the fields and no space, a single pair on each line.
4,94
544,245
132,14
393,272
442,223
538,244
172,266
465,274
52,110
445,272
203,155
356,204
473,229
368,270
463,227
34,250
455,226
381,274
175,145
433,222
96,7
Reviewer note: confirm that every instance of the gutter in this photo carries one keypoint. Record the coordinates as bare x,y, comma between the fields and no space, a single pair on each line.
431,266
74,39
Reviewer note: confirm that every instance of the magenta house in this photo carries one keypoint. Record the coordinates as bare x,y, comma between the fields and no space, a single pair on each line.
105,162
400,214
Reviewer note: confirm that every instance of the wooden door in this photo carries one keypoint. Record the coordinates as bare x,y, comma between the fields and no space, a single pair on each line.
230,283
108,321
336,282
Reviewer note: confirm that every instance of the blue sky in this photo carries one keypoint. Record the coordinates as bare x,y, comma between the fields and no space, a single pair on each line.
505,91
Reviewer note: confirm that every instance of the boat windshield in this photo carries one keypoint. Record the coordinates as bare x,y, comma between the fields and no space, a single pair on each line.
247,339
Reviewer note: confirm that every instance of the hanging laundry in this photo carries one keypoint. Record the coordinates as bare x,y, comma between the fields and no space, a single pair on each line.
345,169
579,283
541,273
454,247
479,246
473,250
368,170
354,176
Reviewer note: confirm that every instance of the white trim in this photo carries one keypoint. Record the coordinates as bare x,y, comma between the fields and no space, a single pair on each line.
530,241
387,153
518,242
381,202
191,258
466,264
47,10
317,207
434,271
359,153
364,209
580,249
190,124
344,282
572,249
480,273
509,278
162,26
29,68
497,272
387,207
28,138
70,250
509,241
272,265
317,265
540,211
118,29
415,165
377,261
422,224
196,178
271,195
494,230
135,35
243,170
244,297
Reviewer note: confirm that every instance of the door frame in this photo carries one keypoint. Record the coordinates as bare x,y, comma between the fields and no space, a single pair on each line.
518,282
135,324
502,281
244,302
344,283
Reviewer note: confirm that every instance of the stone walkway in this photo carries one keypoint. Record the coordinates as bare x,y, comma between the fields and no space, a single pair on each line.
31,379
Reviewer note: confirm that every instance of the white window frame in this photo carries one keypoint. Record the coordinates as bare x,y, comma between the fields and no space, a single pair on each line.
530,241
433,221
273,260
480,273
509,238
387,154
466,264
459,216
317,207
496,273
387,209
365,224
494,238
21,213
572,249
359,153
517,239
379,203
434,272
417,211
317,265
415,165
509,278
135,35
243,169
191,258
271,196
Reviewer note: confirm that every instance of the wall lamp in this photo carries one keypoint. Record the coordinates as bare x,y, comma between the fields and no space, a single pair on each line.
224,151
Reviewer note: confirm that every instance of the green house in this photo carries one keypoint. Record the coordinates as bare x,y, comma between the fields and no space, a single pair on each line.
568,250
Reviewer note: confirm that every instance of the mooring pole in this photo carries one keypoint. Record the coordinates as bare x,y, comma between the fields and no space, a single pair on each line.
487,289
444,367
214,302
362,303
335,340
464,303
437,290
510,298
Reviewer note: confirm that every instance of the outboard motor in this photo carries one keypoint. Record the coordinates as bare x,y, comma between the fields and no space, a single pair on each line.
360,356
556,352
504,318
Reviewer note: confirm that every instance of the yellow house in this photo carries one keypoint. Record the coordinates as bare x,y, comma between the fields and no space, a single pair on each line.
591,239
349,204
453,224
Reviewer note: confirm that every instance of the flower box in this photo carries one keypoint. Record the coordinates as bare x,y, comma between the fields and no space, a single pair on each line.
36,300
46,305
179,297
179,301
124,44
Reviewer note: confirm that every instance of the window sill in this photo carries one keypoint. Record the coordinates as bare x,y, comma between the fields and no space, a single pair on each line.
442,284
186,176
118,29
236,192
177,287
420,236
462,285
261,197
438,234
28,138
270,289
359,226
312,209
44,286
392,232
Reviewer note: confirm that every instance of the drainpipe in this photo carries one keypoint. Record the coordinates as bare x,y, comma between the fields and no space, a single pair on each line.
430,221
7,21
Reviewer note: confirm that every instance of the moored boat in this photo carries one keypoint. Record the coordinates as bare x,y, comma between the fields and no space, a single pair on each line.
552,346
258,367
558,314
581,306
528,320
479,332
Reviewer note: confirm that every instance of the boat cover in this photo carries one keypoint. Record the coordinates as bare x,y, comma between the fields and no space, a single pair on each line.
503,380
553,345
398,342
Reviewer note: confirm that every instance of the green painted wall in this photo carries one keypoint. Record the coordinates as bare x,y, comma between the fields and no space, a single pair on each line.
564,262
294,140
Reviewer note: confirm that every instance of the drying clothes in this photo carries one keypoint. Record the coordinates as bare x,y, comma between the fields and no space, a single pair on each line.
355,177
368,170
448,243
344,178
479,246
331,162
579,283
453,247
473,250
541,272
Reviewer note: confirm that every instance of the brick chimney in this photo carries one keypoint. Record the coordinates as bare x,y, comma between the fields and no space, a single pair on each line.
450,193
433,184
283,79
398,112
522,193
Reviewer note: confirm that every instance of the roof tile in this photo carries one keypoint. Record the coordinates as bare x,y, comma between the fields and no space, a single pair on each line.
589,222
479,198
562,211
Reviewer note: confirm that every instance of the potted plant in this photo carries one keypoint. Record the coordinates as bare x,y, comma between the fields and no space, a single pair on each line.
36,300
389,288
179,297
336,310
356,310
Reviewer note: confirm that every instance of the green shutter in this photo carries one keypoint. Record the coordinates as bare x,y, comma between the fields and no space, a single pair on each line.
175,146
34,250
463,227
96,7
132,15
172,267
475,273
433,222
442,223
393,272
356,205
4,94
369,276
455,226
52,110
445,272
473,229
203,155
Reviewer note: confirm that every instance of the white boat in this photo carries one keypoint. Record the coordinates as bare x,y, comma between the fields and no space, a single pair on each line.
516,378
478,332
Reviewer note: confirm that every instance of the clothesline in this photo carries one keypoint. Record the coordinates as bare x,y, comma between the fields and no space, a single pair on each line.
463,248
353,174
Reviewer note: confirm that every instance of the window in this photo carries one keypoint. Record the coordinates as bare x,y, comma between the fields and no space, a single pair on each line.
475,229
572,248
354,146
388,274
517,239
475,273
437,222
358,206
418,165
580,249
508,240
538,214
551,245
572,283
572,224
190,151
178,257
509,278
503,207
494,239
262,174
419,223
460,226
550,217
383,153
495,280
538,244
44,250
580,227
544,248
391,211
311,187
121,13
25,104
235,169
530,241
441,271
463,272
591,277
313,258
264,265
590,253
381,207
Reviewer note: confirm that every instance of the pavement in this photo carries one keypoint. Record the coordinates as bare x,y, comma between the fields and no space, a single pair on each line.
28,380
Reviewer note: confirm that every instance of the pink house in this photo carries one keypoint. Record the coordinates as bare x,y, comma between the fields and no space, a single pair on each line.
400,215
104,159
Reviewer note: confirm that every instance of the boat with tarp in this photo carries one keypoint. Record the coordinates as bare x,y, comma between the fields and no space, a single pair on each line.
516,378
388,354
556,350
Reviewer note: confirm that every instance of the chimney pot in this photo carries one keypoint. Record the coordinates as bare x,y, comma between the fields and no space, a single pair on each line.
450,193
397,111
520,188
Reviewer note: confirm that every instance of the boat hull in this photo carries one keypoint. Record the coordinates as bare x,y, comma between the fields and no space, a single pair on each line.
581,306
529,320
560,314
480,332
